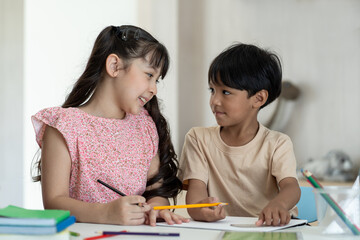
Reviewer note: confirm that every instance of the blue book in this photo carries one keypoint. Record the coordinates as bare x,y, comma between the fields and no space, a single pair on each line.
39,229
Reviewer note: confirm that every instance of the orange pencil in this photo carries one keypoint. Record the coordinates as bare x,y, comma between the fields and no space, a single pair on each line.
190,206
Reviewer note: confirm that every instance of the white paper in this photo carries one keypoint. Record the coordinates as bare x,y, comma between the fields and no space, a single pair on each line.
247,224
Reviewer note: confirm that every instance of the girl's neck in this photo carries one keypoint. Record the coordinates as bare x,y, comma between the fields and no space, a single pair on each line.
102,104
239,135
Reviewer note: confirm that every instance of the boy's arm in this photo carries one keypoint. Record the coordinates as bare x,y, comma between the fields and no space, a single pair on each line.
197,193
55,178
277,210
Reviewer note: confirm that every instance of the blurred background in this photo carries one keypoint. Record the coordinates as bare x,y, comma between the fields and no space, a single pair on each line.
44,46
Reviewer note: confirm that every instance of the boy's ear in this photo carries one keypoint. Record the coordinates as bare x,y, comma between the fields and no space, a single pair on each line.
260,98
113,65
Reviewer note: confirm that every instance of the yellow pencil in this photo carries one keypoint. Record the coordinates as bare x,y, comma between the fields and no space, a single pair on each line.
190,206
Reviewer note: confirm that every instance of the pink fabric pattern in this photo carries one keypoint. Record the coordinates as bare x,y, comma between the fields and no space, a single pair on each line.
115,151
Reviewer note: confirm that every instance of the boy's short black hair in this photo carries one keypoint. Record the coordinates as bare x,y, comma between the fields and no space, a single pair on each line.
248,67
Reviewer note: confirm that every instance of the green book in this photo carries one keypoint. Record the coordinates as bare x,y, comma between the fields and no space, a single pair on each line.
12,215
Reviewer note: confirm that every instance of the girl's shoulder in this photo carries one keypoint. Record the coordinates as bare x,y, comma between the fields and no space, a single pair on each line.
56,112
58,115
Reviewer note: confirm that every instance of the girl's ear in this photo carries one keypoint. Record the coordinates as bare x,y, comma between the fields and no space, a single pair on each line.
260,98
113,65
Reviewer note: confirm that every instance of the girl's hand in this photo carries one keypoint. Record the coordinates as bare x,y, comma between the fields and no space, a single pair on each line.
169,217
274,214
211,214
126,211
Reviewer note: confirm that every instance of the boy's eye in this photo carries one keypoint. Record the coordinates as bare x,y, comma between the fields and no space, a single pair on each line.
211,90
226,92
150,75
157,81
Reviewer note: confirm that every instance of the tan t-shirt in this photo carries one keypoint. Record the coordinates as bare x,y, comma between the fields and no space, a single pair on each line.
247,176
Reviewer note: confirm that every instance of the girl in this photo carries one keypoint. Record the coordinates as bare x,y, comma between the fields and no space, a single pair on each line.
110,128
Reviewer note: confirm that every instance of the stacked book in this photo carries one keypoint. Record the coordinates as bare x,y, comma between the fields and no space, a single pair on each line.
20,221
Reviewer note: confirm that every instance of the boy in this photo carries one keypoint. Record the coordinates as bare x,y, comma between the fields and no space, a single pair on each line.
241,162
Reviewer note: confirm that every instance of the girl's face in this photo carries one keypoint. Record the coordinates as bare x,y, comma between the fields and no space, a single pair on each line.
230,106
136,85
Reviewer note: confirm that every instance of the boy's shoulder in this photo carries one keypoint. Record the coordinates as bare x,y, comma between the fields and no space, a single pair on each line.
273,135
202,131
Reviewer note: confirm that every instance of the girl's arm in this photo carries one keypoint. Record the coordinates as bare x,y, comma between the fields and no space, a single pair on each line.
55,178
197,193
168,216
277,211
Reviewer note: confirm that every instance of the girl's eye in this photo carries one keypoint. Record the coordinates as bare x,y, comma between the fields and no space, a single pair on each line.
157,81
226,92
211,90
150,75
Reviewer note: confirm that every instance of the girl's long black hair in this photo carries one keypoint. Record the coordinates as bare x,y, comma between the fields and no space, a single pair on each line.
130,42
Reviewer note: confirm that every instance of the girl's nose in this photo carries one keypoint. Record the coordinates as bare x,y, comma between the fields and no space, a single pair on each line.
153,88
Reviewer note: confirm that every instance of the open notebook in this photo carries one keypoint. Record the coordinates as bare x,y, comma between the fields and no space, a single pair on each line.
238,224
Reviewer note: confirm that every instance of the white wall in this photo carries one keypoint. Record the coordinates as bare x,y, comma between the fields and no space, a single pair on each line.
11,99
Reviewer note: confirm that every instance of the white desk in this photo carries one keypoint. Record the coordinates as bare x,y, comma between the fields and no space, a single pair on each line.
88,230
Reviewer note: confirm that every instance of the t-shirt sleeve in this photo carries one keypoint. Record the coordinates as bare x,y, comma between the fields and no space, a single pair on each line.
193,164
284,161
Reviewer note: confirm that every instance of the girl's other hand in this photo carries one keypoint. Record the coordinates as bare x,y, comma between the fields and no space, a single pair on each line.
211,214
168,216
127,210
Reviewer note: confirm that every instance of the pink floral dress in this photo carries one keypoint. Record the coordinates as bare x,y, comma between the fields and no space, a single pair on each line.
115,151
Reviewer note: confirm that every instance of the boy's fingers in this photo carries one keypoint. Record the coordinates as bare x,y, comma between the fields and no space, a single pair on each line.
268,219
260,221
275,219
284,218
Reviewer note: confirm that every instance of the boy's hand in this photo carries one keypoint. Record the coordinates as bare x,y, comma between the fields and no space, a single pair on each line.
169,217
208,214
274,214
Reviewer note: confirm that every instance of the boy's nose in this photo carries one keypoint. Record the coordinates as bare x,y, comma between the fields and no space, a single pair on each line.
214,100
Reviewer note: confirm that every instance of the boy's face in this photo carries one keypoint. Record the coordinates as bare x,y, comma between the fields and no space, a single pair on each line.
230,106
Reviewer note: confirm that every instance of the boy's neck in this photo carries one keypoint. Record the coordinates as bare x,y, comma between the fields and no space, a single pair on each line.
236,136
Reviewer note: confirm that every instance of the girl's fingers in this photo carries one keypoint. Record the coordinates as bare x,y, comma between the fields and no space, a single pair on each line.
152,217
176,218
136,221
166,215
183,219
135,199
